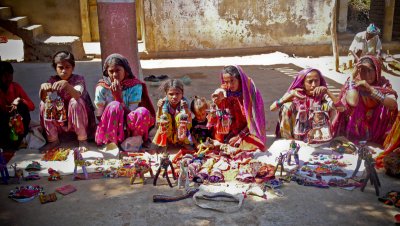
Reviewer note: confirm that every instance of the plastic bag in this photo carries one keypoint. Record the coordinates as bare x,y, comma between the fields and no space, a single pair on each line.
132,144
34,138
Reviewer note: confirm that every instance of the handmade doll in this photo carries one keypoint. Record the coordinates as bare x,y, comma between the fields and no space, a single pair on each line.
320,126
212,118
48,108
301,126
141,167
165,162
79,161
61,112
182,127
161,136
293,150
184,171
204,148
224,121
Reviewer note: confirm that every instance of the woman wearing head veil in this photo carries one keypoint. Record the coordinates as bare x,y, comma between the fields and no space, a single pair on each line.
370,101
308,90
122,101
239,95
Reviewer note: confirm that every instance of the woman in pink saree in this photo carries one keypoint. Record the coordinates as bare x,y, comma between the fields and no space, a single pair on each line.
370,101
121,101
239,95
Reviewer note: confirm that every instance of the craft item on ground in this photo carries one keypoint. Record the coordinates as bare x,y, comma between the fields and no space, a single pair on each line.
98,161
167,198
307,182
34,166
165,162
342,145
205,147
54,175
183,178
113,172
32,176
25,193
18,175
274,186
364,153
219,196
79,161
161,136
141,167
391,198
43,198
265,173
256,191
280,160
391,162
3,168
205,169
320,126
293,150
224,121
66,189
56,154
212,118
182,127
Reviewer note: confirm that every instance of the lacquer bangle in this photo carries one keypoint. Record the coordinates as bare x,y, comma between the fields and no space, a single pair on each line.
378,95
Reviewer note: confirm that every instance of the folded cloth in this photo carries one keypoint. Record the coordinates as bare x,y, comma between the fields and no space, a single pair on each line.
66,189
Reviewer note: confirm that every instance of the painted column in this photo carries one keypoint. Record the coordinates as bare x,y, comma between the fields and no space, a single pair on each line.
388,20
117,28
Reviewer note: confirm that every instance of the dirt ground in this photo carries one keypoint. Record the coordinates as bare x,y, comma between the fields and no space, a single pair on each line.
115,202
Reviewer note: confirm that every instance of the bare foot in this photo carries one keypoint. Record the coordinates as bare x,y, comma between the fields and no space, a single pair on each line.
83,145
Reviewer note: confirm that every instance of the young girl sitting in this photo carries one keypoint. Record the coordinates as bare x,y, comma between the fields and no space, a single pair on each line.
121,101
199,130
13,100
175,108
66,104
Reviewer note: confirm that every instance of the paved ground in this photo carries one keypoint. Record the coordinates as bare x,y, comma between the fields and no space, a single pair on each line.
115,202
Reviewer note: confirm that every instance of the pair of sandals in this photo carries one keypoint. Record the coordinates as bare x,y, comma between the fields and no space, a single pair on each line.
155,78
391,198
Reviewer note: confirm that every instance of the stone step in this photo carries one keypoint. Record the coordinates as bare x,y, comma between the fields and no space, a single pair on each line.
5,13
31,31
19,21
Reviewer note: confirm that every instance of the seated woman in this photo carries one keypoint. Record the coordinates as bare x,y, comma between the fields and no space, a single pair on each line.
66,105
121,101
370,101
239,99
307,92
13,99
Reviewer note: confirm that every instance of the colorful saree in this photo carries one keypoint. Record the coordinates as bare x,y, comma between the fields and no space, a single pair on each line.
369,120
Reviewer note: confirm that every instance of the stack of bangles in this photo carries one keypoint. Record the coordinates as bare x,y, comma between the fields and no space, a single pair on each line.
378,95
278,103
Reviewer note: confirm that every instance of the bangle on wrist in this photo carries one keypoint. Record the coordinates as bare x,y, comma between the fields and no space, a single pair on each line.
377,95
278,103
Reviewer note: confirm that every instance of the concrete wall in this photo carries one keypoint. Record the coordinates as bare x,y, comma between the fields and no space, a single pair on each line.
57,17
182,25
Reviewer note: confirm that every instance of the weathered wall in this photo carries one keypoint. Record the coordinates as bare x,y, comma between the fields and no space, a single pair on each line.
181,25
57,17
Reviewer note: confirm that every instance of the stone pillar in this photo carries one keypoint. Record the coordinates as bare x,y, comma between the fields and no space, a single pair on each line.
388,20
85,24
342,15
117,28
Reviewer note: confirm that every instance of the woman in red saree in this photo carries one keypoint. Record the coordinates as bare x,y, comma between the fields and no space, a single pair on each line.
243,103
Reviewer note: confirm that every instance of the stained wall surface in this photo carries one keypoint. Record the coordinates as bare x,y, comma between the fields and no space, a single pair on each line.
181,25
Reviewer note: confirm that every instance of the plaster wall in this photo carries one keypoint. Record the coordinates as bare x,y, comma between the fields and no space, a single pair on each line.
57,17
181,25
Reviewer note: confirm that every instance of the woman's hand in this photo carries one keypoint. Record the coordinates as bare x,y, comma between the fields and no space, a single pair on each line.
60,85
363,85
161,102
45,87
235,141
320,90
217,97
14,104
116,90
296,93
184,104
